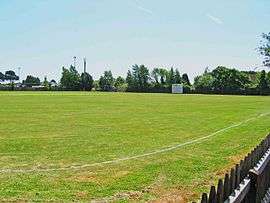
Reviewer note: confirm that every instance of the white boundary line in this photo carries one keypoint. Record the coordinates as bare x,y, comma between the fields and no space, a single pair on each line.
133,157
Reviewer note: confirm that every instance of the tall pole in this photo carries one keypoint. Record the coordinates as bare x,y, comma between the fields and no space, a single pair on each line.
84,65
84,75
74,61
19,73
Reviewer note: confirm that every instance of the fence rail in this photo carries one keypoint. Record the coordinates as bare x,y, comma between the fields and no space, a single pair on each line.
247,182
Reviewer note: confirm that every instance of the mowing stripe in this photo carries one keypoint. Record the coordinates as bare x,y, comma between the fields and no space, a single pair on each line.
77,167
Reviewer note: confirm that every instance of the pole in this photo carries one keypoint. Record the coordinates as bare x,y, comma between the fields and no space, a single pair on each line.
19,73
84,65
84,75
74,61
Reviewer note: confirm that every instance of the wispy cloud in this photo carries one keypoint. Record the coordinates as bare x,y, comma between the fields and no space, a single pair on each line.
141,8
214,19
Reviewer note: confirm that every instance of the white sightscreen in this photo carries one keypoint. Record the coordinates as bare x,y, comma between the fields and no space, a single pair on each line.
177,89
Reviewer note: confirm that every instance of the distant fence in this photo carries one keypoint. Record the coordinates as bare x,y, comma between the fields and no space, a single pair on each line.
247,182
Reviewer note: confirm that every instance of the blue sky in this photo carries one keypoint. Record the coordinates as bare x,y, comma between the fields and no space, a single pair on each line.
43,35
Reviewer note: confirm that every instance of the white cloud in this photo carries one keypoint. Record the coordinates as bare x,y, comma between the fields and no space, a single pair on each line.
143,9
214,19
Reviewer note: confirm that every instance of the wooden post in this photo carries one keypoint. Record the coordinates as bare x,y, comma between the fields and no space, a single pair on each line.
220,191
237,174
226,187
256,184
204,198
213,195
253,193
232,181
245,167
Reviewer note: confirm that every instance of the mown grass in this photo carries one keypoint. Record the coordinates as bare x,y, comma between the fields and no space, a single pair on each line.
43,130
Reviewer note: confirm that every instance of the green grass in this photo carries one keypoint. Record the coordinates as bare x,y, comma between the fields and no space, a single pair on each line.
42,130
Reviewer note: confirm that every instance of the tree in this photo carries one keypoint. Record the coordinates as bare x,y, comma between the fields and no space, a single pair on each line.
160,76
228,80
31,81
265,49
204,83
163,75
185,80
87,82
2,77
155,74
70,79
120,84
119,81
65,79
96,84
268,79
53,83
206,70
178,79
45,83
130,81
141,77
253,79
138,78
263,82
11,76
171,77
106,82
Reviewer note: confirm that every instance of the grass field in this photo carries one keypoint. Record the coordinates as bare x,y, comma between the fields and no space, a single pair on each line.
51,142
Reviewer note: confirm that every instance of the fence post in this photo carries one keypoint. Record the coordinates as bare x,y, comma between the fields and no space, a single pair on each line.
232,181
220,191
253,196
237,175
226,192
204,198
213,195
256,184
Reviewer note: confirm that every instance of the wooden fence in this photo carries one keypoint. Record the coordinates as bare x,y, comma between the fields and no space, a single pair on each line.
247,182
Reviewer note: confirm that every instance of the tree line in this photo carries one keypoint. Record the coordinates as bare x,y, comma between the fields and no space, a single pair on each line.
231,81
140,78
9,76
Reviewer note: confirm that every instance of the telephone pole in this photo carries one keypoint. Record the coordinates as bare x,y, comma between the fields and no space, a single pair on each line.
74,61
84,73
84,65
19,73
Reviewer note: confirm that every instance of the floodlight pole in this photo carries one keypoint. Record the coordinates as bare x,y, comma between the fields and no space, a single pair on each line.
84,75
19,73
74,61
84,65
